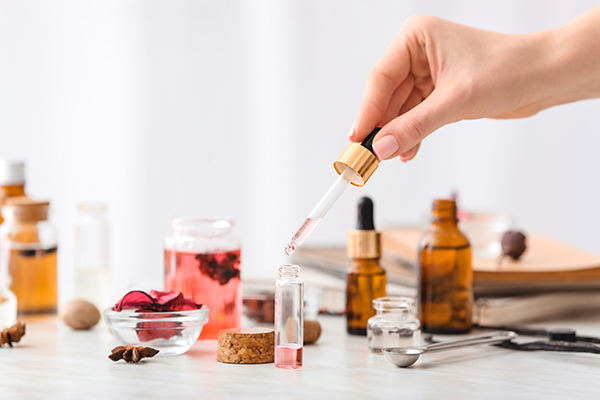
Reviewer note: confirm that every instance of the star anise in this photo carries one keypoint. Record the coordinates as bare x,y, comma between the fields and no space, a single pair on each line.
132,354
13,334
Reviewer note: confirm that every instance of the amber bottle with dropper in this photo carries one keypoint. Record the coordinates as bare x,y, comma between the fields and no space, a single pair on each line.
446,274
366,280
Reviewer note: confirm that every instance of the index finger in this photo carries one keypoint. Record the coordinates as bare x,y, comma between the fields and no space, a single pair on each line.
390,70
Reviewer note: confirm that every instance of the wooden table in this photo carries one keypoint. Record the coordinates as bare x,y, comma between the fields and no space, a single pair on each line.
54,362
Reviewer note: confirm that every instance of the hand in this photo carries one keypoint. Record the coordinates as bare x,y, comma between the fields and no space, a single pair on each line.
437,72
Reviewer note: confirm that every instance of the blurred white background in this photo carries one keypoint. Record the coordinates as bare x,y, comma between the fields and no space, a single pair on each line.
164,108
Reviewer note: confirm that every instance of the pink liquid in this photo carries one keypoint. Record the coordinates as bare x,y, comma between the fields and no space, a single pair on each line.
305,230
212,280
288,357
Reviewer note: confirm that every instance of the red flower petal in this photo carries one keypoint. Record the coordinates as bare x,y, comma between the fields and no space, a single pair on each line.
134,299
151,330
156,302
163,298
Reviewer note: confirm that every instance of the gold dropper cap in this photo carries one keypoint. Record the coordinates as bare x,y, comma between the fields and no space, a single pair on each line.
360,158
364,244
364,241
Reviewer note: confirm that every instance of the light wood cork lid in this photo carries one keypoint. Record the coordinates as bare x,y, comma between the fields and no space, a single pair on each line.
246,346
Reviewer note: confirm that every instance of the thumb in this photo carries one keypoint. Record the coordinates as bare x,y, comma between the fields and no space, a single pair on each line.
406,131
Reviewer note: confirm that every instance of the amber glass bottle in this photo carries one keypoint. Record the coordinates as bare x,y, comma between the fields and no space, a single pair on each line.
366,280
29,254
12,181
446,274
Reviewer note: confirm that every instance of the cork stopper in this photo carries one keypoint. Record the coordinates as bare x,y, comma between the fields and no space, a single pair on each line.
246,346
24,209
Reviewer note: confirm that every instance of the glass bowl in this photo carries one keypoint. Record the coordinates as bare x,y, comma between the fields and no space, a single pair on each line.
172,332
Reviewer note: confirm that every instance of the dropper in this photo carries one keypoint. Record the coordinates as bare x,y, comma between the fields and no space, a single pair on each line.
355,166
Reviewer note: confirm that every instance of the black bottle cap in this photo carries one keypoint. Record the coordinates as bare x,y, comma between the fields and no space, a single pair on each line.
564,335
364,221
368,142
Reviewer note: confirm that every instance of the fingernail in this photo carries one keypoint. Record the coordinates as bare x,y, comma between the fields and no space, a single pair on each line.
385,147
351,131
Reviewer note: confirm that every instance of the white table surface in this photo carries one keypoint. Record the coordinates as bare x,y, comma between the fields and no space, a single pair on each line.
55,362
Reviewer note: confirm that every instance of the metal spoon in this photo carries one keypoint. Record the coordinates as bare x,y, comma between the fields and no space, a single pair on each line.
407,356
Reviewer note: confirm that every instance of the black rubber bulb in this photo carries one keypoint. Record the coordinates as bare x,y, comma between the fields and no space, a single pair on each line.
368,142
365,215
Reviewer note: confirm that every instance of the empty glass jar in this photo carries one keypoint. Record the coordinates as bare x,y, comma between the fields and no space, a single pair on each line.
394,325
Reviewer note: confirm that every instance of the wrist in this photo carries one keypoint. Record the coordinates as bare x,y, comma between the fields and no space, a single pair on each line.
574,55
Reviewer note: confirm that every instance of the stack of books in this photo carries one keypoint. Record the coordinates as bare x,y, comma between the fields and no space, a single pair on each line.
551,280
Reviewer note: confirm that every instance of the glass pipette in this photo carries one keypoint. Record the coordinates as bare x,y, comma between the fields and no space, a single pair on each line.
356,164
317,213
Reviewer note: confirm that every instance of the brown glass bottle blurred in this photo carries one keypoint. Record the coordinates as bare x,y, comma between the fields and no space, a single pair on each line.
446,274
366,280
12,181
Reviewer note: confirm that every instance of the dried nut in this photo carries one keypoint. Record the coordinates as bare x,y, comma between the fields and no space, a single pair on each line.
513,244
79,314
312,331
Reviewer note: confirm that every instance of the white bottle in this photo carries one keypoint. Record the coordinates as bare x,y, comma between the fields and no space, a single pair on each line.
8,304
92,277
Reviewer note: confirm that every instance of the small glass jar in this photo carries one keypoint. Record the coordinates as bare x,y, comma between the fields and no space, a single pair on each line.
202,260
394,325
29,254
92,275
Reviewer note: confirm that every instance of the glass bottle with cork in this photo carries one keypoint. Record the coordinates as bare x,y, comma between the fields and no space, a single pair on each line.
446,274
366,279
12,181
29,254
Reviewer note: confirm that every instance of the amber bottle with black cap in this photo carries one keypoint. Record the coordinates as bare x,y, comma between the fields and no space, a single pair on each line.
366,280
446,274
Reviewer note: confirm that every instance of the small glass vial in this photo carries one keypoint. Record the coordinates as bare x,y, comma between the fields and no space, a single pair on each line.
8,304
92,277
394,325
289,323
29,254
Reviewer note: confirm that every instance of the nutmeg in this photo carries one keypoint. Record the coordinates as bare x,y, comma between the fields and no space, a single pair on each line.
79,314
312,331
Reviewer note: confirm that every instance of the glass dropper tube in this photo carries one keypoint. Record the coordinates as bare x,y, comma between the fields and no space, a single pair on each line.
317,213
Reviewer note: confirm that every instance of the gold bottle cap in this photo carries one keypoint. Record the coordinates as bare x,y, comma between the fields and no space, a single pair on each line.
364,244
360,159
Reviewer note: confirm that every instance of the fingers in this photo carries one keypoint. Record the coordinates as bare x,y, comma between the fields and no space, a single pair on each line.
409,155
388,74
401,136
398,99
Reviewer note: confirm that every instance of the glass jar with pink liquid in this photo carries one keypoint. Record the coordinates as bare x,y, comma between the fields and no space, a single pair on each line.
202,260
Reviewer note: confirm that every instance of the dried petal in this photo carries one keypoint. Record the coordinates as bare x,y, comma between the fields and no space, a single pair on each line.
135,299
151,330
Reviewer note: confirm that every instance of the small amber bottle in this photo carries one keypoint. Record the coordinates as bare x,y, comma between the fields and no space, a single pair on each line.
446,274
366,279
29,254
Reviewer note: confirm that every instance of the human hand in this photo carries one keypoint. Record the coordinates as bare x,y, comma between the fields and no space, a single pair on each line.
437,72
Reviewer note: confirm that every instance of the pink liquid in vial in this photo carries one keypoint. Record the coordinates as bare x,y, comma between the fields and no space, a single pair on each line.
213,280
288,357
